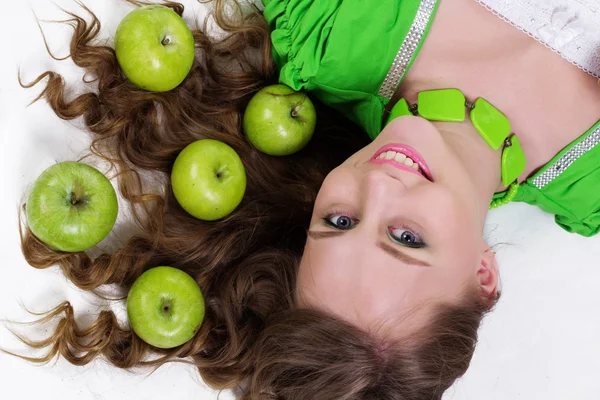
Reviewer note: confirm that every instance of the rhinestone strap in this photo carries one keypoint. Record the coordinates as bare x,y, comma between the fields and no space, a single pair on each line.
408,48
560,166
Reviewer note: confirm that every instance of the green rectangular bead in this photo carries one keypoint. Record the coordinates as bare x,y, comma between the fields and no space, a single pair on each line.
513,161
442,105
399,110
491,124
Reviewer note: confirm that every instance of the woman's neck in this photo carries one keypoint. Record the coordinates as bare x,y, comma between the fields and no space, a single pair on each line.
549,101
481,162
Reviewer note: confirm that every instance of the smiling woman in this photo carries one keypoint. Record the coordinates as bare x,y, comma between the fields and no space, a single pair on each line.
247,263
381,238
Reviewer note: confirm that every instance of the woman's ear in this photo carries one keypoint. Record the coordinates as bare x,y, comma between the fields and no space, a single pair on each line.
487,274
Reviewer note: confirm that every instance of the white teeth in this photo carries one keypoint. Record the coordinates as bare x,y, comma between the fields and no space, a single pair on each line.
399,158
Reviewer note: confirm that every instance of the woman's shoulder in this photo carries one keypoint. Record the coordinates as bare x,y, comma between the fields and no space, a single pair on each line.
569,27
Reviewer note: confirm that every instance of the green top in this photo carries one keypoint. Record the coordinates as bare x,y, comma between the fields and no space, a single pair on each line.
569,185
350,55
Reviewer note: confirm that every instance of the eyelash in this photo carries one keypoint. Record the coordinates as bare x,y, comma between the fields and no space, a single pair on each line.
420,243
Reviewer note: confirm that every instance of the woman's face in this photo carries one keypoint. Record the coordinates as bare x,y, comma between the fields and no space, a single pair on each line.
387,239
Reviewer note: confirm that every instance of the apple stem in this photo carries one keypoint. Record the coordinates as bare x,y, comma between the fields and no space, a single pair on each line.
294,113
166,41
77,194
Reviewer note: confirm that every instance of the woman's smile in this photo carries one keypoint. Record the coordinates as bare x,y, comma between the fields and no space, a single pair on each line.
404,158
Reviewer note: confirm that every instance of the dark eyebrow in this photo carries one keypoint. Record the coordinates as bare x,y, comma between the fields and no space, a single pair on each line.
391,250
324,234
394,252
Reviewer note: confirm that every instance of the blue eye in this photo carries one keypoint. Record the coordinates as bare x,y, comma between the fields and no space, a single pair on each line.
406,237
341,222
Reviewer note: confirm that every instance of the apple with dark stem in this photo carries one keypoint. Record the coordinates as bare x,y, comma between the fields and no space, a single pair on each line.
155,48
208,179
71,207
165,307
279,121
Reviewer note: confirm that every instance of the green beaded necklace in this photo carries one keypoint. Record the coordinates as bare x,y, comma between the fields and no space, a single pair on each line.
450,105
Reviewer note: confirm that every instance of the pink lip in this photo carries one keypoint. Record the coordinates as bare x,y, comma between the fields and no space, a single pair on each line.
407,151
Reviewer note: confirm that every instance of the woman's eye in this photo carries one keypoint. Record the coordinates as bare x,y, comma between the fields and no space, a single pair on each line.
407,238
342,222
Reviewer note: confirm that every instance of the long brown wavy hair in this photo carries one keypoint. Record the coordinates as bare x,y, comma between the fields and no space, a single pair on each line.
253,333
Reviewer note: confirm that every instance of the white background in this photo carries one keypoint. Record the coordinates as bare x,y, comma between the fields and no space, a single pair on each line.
542,342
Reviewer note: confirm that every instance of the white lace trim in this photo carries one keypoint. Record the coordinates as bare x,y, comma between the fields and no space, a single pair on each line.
570,28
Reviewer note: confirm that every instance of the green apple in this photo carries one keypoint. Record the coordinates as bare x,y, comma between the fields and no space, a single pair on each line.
279,121
165,307
208,179
71,207
155,48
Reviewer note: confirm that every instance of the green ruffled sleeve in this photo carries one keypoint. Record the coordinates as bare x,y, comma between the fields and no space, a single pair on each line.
341,50
300,31
580,196
569,186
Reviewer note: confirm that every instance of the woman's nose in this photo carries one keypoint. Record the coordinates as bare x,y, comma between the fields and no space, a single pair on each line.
379,187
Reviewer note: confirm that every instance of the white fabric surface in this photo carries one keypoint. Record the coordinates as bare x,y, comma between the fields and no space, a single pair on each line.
540,343
569,27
